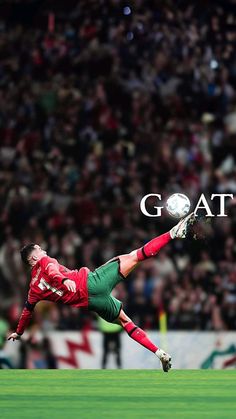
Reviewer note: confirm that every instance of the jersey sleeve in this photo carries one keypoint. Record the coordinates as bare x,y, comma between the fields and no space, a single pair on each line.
50,266
27,312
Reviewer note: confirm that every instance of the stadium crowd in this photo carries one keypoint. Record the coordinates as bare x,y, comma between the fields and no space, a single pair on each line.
101,103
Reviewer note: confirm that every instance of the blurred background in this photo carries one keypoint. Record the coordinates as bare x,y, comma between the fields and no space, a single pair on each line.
101,103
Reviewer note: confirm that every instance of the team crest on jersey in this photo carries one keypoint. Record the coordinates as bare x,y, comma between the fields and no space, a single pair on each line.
35,278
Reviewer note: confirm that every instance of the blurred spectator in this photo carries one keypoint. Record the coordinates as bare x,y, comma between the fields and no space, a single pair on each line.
36,354
4,360
111,341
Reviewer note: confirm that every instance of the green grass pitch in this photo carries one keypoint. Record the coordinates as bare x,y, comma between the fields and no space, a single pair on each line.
117,394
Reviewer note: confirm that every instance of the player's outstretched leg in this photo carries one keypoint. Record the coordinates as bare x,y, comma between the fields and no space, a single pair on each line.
129,261
141,337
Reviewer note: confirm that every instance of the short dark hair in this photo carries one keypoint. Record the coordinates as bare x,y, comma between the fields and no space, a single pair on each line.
25,252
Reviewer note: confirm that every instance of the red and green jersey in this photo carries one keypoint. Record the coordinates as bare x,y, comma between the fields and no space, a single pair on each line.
47,284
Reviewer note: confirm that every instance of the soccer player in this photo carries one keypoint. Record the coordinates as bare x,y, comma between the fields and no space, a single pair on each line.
54,282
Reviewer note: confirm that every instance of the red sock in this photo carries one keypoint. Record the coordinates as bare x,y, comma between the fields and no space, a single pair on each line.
140,336
152,248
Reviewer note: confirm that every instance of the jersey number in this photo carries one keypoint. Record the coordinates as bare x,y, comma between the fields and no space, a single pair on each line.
43,285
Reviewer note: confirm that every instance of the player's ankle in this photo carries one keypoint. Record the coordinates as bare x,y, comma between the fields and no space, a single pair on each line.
159,352
172,233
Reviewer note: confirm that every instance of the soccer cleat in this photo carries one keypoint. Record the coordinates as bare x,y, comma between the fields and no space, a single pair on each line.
181,229
165,359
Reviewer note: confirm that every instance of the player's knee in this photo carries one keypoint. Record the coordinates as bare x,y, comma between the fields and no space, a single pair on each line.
128,263
133,255
123,319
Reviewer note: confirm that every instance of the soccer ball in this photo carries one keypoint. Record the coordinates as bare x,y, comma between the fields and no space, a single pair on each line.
178,205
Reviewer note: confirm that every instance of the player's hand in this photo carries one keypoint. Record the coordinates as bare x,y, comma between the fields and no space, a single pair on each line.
14,336
70,285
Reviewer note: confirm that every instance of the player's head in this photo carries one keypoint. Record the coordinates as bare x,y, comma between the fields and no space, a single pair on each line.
31,253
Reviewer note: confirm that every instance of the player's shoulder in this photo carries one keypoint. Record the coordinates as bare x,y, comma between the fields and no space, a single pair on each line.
46,260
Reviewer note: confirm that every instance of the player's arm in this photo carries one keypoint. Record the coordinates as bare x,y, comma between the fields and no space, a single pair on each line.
25,317
52,270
